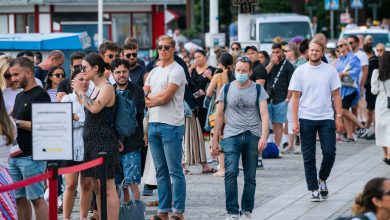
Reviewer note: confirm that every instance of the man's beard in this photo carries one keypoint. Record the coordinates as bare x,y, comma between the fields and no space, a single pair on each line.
132,64
122,84
315,60
23,83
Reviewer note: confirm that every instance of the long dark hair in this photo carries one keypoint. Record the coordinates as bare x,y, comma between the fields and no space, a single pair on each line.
6,125
384,67
94,59
363,201
49,82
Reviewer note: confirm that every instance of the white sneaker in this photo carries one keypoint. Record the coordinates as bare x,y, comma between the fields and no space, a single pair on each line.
232,217
245,215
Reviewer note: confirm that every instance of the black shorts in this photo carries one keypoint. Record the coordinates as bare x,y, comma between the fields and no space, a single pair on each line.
69,163
348,100
370,99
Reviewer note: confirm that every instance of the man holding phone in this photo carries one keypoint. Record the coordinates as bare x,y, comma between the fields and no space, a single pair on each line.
280,71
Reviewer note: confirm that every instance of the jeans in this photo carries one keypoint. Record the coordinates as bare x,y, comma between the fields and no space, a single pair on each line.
246,144
22,168
327,132
166,146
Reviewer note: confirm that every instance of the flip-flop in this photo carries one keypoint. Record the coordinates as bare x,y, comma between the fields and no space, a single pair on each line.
155,217
187,172
174,217
210,171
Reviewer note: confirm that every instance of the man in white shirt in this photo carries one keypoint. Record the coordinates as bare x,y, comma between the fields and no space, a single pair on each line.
164,96
312,80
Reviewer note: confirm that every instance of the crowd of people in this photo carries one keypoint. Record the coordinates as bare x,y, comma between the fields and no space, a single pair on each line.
300,93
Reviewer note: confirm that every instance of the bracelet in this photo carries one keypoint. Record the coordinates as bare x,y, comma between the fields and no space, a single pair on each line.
339,115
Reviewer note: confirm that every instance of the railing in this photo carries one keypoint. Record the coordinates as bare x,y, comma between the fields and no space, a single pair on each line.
52,175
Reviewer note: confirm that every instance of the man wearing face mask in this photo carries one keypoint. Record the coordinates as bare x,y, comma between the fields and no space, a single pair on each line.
280,71
241,102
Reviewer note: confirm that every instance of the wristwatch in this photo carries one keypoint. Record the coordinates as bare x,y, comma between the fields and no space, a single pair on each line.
17,124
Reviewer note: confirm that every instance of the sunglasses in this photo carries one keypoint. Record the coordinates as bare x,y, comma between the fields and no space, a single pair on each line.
386,193
128,55
110,56
235,48
351,42
83,69
7,76
340,46
245,59
166,47
59,75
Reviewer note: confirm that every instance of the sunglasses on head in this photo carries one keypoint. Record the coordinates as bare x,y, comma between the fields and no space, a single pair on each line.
166,47
340,46
128,55
59,75
245,59
7,76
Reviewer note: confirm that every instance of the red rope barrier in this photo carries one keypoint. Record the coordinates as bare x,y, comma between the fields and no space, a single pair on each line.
49,174
26,182
81,167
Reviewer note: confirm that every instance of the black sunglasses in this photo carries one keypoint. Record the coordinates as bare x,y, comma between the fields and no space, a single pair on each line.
110,56
166,47
77,67
128,55
7,76
340,46
59,75
386,193
83,69
236,48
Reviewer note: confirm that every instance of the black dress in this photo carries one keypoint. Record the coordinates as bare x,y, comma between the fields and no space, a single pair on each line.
201,82
100,136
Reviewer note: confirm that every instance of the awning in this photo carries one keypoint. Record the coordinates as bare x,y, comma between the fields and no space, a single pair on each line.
42,42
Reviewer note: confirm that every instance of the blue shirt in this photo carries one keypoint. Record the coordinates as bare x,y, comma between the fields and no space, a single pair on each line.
354,71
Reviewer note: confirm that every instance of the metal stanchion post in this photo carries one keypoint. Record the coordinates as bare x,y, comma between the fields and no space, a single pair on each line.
53,192
103,187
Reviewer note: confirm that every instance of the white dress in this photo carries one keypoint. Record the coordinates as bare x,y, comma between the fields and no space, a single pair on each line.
382,113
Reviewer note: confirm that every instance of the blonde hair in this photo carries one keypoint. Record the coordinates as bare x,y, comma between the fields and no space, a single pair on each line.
319,43
165,37
4,66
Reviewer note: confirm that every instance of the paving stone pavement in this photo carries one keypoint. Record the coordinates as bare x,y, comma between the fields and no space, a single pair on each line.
281,189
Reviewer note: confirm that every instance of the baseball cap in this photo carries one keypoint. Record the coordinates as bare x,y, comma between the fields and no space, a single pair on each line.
250,48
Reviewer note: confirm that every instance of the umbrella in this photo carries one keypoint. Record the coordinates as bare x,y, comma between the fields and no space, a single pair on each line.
42,42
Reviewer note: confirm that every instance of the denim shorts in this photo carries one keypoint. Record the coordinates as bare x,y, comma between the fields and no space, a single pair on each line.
278,112
22,168
131,167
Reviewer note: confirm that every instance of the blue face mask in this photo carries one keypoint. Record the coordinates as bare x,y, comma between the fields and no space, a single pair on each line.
241,78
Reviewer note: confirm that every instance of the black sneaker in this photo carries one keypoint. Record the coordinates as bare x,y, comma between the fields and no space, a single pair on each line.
323,190
260,164
315,196
361,132
370,137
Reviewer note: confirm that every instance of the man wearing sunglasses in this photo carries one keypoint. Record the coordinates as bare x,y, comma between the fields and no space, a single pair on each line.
64,87
136,70
245,134
164,96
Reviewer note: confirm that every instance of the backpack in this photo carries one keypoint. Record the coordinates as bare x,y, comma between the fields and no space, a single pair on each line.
226,90
125,120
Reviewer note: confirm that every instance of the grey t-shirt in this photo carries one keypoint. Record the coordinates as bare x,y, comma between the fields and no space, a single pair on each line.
241,112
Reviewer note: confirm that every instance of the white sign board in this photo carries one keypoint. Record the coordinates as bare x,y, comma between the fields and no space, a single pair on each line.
52,131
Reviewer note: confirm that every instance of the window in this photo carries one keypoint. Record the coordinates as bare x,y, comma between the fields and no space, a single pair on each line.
142,29
22,21
3,24
285,30
120,27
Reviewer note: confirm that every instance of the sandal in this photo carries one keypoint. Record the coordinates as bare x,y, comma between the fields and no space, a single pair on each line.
153,203
212,170
155,217
187,172
174,217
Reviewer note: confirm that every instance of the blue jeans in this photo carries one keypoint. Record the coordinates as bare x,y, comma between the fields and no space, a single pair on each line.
327,132
22,168
166,146
246,144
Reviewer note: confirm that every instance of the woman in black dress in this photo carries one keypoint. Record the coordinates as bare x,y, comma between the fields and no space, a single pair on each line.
98,135
201,73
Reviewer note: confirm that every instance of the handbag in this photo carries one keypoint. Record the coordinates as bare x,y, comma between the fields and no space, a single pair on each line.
388,98
132,210
347,81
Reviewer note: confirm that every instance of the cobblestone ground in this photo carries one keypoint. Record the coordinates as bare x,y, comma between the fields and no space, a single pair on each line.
206,195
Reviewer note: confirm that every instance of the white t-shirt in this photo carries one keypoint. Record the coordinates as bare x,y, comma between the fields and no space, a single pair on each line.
171,113
9,96
363,60
316,84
